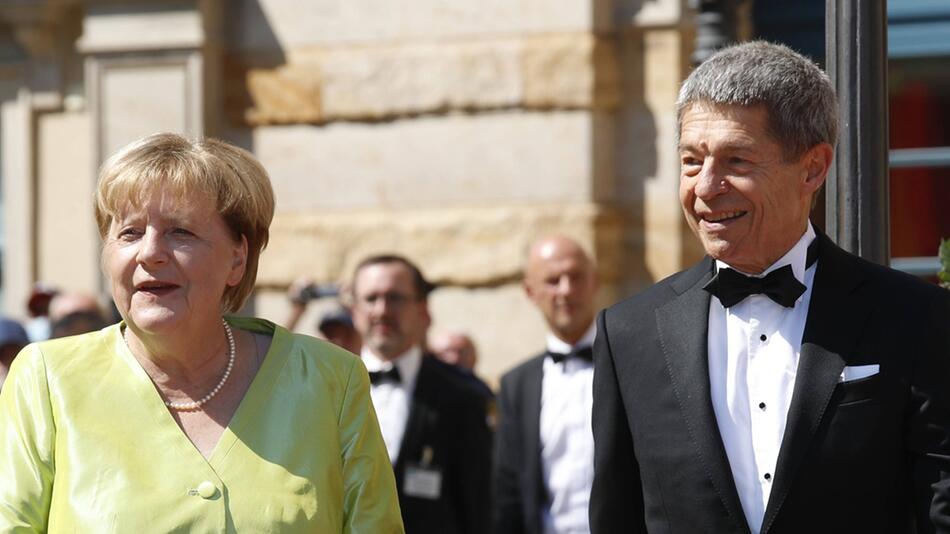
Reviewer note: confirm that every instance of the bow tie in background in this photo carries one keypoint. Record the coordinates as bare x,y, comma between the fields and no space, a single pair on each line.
378,377
586,354
732,287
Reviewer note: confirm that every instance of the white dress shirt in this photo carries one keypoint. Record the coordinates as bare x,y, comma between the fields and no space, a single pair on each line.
567,441
754,349
391,400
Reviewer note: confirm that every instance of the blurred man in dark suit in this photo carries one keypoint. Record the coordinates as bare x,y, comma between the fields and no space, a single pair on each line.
433,421
544,449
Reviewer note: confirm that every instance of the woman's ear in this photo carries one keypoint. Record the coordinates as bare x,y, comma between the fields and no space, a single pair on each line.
238,262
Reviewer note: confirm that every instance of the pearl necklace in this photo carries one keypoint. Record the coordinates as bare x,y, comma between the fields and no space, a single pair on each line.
194,405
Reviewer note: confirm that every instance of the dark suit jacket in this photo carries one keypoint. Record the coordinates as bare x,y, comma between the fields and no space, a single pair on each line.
448,416
867,456
518,487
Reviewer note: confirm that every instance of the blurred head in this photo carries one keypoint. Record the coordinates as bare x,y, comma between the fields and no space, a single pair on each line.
757,127
561,280
337,327
38,302
183,224
454,348
390,304
75,313
12,340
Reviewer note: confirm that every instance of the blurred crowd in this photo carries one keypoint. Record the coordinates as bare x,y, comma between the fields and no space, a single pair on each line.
382,316
53,313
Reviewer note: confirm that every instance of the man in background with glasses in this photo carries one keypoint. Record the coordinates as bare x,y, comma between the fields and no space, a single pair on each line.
433,422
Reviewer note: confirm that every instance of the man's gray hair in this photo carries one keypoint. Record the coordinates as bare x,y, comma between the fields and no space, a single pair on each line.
796,94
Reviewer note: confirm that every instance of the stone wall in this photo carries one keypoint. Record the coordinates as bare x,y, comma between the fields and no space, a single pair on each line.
452,132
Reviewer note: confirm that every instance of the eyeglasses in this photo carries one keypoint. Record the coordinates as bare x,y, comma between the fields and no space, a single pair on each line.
392,300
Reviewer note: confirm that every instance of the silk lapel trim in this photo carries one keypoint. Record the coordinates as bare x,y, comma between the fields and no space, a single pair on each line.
836,315
531,400
418,415
683,326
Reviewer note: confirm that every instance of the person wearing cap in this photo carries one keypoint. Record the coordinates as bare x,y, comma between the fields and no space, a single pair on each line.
12,340
336,326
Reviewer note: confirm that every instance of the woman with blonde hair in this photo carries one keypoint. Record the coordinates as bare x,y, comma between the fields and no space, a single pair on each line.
181,418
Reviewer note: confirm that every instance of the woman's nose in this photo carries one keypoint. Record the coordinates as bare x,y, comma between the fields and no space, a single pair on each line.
152,248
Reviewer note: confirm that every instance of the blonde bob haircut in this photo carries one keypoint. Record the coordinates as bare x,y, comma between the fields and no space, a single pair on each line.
183,168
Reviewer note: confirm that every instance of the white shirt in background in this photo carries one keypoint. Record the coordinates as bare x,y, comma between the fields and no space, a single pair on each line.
391,400
567,440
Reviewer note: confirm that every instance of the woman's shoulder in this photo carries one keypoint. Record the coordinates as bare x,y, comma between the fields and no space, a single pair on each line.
320,351
75,349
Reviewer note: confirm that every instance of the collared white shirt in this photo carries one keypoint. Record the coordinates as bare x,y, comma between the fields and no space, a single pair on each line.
567,441
754,348
392,401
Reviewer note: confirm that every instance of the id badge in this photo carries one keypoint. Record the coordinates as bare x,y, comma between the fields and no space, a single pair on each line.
422,479
424,482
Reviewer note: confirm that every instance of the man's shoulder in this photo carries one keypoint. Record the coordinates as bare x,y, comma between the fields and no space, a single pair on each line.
446,381
893,285
532,367
661,292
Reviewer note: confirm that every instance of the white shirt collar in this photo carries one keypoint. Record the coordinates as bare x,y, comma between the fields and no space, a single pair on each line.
408,364
797,257
558,345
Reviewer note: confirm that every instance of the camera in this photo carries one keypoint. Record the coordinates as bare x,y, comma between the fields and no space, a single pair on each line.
316,291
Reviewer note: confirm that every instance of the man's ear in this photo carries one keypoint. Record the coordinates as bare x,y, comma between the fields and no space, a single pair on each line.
817,161
527,289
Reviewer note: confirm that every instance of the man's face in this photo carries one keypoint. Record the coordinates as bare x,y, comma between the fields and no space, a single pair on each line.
454,349
387,310
561,282
745,201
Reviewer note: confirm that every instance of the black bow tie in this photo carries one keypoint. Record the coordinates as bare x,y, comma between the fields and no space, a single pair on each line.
780,285
378,377
586,354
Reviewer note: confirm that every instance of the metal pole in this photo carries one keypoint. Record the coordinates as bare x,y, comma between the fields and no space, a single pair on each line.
856,204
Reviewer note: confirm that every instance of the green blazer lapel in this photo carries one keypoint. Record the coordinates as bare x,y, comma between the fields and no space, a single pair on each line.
836,314
683,326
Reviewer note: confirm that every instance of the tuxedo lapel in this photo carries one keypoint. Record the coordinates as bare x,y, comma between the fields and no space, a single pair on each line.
531,400
683,326
419,413
836,313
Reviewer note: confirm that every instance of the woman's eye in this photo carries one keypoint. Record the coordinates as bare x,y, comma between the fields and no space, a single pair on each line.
182,231
127,233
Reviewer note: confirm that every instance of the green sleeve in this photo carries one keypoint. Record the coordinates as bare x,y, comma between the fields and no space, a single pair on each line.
27,433
370,504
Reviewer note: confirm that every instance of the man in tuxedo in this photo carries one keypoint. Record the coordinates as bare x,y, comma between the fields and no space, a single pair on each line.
544,449
433,422
781,385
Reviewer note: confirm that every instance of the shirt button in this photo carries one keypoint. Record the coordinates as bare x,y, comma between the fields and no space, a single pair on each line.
207,490
761,405
768,476
762,337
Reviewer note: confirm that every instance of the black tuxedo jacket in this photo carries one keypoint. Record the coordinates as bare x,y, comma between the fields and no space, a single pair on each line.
447,417
866,456
519,493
